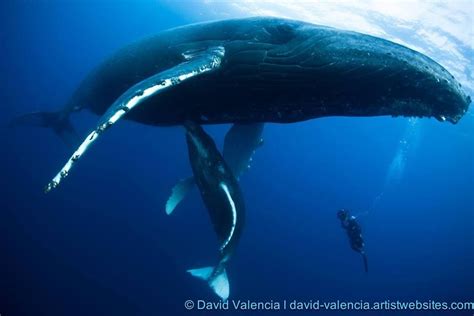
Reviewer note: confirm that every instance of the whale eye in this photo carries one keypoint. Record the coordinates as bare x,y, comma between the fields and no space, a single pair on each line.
280,33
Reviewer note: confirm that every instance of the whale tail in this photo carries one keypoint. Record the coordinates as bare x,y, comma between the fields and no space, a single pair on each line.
216,278
56,121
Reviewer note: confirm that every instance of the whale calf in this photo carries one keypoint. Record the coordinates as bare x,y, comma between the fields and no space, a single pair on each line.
256,70
240,144
222,196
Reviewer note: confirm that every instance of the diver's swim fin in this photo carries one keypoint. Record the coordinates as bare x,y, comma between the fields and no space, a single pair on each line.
197,64
56,121
179,191
366,266
219,283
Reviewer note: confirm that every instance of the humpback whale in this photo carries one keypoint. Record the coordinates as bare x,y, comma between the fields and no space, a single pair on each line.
240,144
222,196
256,70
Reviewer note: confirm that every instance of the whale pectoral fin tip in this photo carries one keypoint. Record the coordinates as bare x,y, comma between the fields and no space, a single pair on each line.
178,193
240,144
50,186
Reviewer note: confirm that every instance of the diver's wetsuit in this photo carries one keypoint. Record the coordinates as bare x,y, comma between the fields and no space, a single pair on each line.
354,232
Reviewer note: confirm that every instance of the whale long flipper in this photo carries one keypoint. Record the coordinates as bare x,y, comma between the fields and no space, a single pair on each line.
179,191
198,64
240,144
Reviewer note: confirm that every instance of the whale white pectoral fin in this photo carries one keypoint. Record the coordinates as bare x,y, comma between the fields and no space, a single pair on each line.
179,191
240,144
204,62
219,283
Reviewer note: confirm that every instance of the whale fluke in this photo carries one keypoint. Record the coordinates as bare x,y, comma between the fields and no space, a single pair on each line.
56,121
217,281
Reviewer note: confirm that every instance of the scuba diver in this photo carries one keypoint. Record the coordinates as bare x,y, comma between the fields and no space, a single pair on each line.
354,232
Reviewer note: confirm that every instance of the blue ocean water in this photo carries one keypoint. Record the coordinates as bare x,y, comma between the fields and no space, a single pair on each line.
102,244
